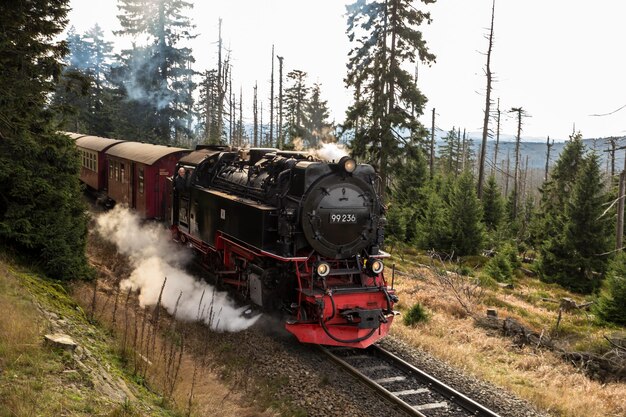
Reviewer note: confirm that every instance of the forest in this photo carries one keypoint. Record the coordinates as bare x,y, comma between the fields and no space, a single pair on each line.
443,198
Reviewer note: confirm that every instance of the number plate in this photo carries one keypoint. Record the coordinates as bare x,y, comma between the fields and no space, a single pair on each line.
343,218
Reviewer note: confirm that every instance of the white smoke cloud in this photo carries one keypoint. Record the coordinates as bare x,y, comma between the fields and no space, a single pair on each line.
330,152
154,258
327,151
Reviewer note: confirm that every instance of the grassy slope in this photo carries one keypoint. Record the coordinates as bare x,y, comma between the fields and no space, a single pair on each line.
537,375
37,379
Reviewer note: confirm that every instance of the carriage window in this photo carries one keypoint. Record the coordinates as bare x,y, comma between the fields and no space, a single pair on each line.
122,173
117,171
140,180
110,170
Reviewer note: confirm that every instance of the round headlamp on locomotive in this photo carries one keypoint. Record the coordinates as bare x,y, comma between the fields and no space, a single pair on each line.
294,233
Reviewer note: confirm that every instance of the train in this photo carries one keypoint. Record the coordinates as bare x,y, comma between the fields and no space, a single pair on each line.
282,229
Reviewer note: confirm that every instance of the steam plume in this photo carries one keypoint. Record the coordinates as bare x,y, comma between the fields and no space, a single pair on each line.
154,257
327,151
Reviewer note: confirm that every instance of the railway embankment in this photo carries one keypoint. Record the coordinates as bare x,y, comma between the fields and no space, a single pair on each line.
54,361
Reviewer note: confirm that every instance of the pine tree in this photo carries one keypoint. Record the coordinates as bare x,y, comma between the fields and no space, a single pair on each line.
611,305
386,101
465,217
575,257
41,211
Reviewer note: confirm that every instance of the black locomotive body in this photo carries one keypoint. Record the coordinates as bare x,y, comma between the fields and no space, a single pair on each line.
292,233
281,202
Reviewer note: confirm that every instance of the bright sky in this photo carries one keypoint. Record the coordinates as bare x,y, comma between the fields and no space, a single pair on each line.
561,60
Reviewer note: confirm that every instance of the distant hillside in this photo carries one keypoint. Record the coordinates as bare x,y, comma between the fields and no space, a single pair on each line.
536,151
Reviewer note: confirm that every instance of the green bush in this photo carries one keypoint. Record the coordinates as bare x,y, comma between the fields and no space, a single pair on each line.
416,314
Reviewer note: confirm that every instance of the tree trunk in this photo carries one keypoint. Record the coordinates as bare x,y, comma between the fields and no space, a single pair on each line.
255,116
271,139
483,149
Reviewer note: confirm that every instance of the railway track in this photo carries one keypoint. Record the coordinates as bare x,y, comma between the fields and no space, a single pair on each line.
416,392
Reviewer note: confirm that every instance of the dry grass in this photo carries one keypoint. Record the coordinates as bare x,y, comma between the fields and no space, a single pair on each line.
36,379
161,365
536,375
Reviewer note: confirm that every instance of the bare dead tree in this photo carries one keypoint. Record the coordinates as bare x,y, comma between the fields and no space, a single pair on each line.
495,153
432,146
126,321
520,113
222,75
231,108
460,153
157,316
115,304
271,139
261,141
613,144
483,149
255,109
508,174
549,145
240,124
92,314
620,212
467,290
465,153
279,127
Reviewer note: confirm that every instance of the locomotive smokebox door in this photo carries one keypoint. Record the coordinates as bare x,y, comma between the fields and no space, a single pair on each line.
339,217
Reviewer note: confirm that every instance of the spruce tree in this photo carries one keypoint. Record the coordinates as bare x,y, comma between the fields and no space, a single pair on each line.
493,205
41,211
576,255
449,153
465,217
409,180
157,74
318,126
209,109
556,191
611,305
296,104
83,90
433,228
386,99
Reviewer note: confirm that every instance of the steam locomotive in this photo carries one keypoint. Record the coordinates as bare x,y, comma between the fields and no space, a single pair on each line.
286,231
291,233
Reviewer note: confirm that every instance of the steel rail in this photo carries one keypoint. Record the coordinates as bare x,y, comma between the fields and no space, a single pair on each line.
453,396
379,388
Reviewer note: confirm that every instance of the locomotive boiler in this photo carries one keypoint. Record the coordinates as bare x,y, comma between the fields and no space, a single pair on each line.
291,234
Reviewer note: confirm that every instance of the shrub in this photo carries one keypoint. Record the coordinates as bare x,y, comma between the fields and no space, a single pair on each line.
416,314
